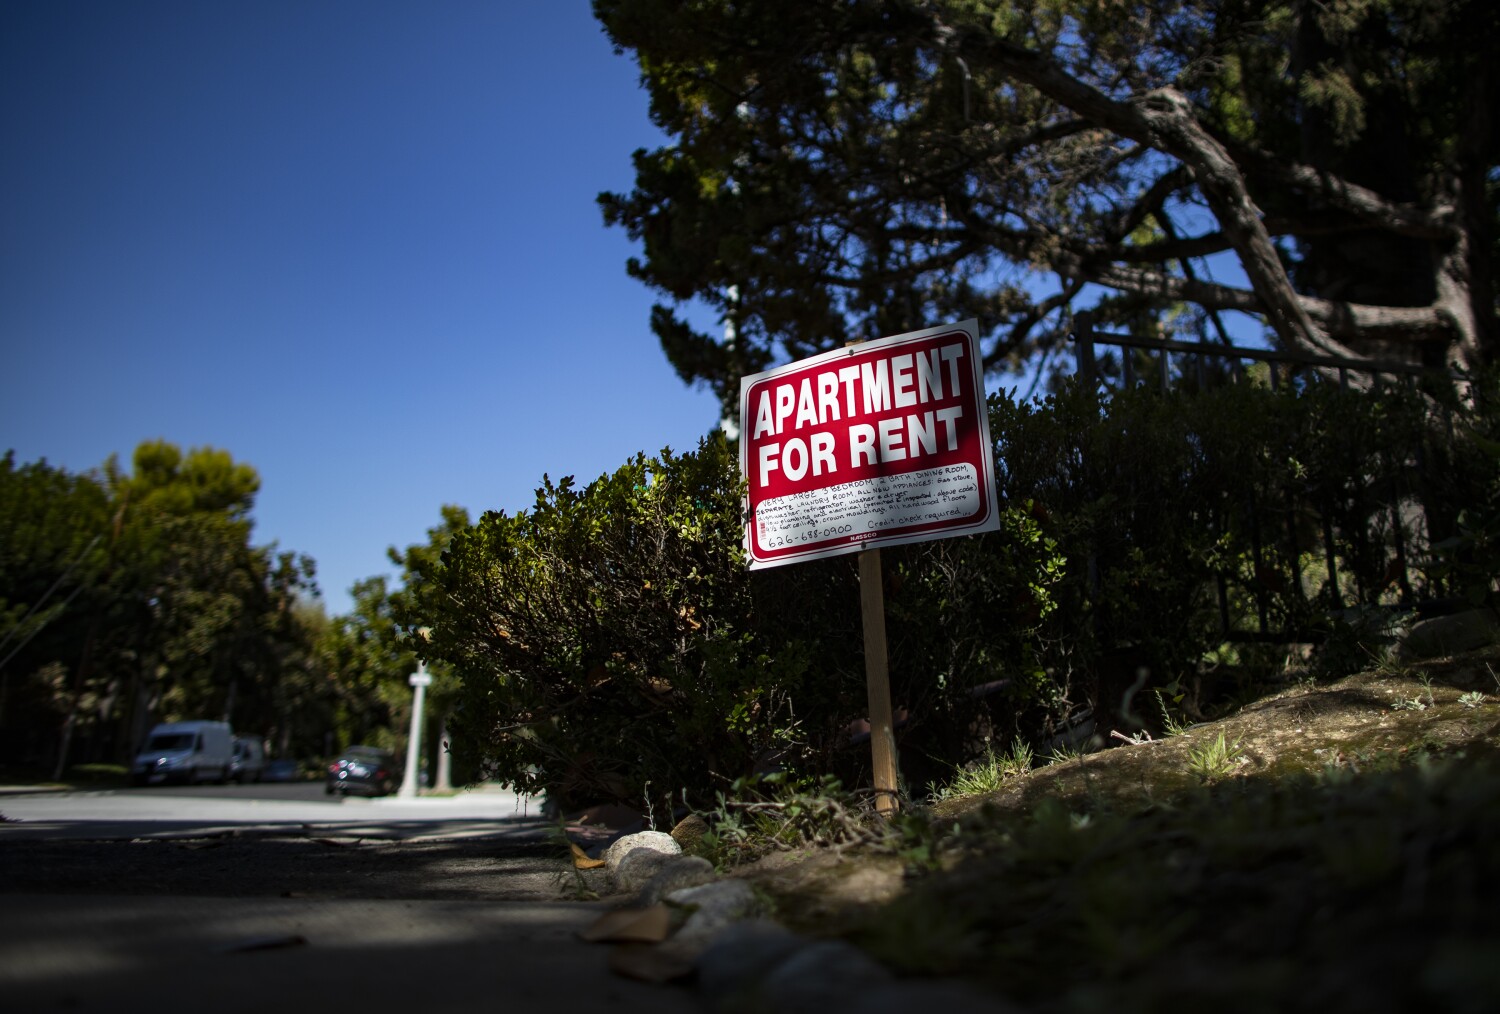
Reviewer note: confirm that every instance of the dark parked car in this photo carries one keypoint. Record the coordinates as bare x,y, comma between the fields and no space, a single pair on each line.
281,771
365,771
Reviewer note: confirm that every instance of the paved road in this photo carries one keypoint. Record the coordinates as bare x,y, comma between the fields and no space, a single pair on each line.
274,898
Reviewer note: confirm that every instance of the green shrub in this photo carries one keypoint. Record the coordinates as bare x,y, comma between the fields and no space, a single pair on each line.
614,647
602,636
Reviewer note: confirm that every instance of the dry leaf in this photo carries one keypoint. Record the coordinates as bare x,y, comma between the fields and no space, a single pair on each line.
631,925
581,860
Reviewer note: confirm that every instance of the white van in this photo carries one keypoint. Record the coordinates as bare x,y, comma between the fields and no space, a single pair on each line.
185,752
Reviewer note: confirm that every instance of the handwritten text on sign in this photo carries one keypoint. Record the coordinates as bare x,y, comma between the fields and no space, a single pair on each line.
876,444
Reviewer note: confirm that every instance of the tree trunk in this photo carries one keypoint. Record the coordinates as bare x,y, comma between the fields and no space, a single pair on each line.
65,743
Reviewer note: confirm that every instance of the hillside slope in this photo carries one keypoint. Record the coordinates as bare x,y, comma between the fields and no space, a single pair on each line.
1330,847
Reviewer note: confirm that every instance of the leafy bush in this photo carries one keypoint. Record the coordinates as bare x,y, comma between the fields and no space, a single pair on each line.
613,645
1189,519
601,635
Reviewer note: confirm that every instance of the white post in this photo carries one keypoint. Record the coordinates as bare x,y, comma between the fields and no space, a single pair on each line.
409,780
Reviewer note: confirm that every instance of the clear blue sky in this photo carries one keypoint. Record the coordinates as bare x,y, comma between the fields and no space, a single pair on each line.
355,244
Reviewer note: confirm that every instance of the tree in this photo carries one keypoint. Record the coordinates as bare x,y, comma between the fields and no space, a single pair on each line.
370,653
216,625
52,525
872,166
128,596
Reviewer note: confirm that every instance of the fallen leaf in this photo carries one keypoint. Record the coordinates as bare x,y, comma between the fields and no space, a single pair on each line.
631,925
581,860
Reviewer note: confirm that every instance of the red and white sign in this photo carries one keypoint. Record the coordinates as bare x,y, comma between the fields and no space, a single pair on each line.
875,444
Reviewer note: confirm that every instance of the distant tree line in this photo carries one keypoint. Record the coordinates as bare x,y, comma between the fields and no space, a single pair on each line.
132,596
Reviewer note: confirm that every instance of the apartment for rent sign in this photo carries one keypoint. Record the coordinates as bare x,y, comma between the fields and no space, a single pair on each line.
875,444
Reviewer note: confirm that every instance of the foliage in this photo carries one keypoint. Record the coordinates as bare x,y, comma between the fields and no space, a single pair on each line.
989,772
871,167
602,636
610,639
1214,759
1188,517
130,597
369,655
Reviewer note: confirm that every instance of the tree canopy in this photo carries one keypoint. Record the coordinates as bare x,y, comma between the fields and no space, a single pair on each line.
133,596
862,168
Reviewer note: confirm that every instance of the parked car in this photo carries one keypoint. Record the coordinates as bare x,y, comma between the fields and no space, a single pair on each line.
184,752
248,762
281,771
365,771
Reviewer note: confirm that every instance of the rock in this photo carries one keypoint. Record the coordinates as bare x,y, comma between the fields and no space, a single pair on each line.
638,868
758,965
636,858
715,907
650,964
821,977
906,996
675,874
1450,635
654,841
689,832
742,954
630,925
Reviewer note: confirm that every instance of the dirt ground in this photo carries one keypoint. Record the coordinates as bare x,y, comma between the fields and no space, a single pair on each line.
1307,729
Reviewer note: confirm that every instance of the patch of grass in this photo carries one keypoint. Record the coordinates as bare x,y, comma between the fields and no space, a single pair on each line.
1288,894
1214,759
990,772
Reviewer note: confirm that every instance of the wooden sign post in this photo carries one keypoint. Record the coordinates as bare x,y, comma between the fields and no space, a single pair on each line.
878,682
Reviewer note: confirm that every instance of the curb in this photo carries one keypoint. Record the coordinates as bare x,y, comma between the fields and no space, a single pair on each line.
688,924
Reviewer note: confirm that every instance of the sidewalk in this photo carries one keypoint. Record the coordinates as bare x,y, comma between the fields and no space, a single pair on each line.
101,814
252,955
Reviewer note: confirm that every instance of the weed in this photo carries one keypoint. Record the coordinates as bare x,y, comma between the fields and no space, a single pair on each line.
1388,665
1421,702
569,880
989,773
1214,759
1169,725
1064,753
770,814
1472,699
